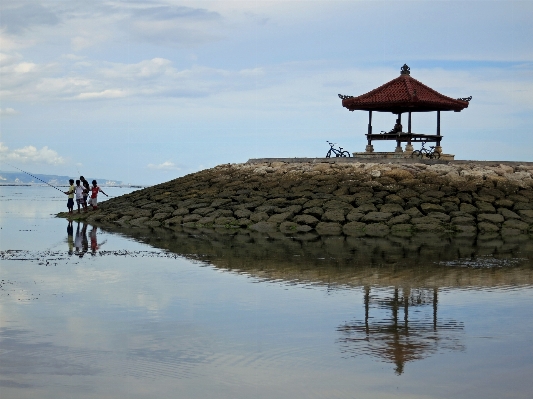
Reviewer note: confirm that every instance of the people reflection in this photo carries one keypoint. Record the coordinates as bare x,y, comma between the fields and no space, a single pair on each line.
400,341
84,241
77,239
94,241
70,237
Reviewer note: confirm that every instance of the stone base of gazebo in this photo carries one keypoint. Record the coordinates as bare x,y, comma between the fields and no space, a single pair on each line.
404,154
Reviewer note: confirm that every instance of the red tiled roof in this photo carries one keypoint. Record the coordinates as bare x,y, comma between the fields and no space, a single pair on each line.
403,94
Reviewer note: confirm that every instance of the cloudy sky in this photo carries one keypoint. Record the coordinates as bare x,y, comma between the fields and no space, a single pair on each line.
145,91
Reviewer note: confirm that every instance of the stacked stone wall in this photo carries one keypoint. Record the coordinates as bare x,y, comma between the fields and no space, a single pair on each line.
357,199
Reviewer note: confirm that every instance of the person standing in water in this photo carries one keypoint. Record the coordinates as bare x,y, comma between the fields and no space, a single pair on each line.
94,195
70,193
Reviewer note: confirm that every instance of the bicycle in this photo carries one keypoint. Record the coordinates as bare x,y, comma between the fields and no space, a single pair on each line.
338,153
425,153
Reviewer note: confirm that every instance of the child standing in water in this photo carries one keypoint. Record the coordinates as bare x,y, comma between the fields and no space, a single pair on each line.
94,194
70,193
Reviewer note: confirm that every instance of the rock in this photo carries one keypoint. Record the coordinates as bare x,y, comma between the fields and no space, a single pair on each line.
223,220
161,216
522,206
413,212
485,227
288,227
440,216
515,224
306,219
175,221
314,203
465,230
507,214
377,230
334,215
395,209
427,207
281,217
314,211
138,221
334,204
206,220
449,206
242,213
526,216
402,227
354,229
264,227
203,211
269,209
354,216
400,219
303,228
407,193
394,199
328,228
180,212
365,208
464,197
425,220
259,216
463,221
485,207
490,217
504,203
219,202
468,208
376,217
191,218
152,223
429,227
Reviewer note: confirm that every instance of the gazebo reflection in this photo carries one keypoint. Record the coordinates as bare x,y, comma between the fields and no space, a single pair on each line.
404,327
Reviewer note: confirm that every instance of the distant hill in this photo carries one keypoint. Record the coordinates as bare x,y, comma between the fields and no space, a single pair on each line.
54,180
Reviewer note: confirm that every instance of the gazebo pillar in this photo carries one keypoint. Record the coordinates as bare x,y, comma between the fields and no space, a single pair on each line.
398,142
369,147
409,146
438,148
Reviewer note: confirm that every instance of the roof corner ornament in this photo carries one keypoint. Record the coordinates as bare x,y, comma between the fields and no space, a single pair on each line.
342,97
405,70
467,99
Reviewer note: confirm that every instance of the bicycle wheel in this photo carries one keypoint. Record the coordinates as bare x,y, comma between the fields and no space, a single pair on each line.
417,154
345,154
328,155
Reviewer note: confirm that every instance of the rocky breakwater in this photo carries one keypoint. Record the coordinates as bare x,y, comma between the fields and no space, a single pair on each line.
351,198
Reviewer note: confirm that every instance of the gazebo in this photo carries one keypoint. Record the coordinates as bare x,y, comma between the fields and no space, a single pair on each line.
403,95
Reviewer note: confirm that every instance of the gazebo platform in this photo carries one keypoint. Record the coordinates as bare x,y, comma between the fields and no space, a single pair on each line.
388,155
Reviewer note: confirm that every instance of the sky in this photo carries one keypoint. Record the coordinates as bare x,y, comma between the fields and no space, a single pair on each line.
147,91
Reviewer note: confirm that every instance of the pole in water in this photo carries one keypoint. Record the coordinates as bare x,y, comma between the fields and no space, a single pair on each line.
35,177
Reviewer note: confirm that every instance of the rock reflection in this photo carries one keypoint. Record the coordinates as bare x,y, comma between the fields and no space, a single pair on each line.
402,336
401,278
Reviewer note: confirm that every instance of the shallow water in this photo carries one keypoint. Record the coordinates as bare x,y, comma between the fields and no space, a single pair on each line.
185,313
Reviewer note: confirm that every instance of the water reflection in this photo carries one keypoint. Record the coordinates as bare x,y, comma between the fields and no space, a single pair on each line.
401,336
401,279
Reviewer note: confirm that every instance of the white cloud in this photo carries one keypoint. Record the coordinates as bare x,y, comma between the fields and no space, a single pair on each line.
31,154
7,111
165,166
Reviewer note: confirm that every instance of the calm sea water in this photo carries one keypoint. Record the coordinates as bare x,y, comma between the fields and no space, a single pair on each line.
92,313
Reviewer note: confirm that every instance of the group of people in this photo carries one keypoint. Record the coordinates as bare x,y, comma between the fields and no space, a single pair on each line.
81,191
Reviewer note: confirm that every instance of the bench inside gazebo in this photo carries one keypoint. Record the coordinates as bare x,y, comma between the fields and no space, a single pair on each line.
403,95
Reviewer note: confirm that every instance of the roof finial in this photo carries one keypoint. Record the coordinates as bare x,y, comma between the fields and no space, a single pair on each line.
405,70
